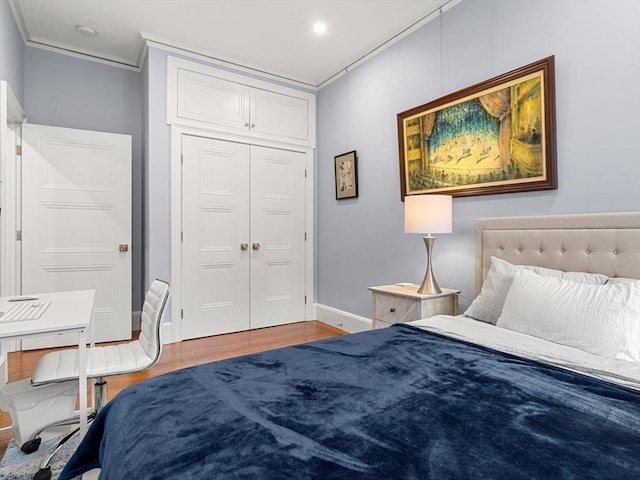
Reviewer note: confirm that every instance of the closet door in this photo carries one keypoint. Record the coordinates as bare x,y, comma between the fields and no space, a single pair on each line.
277,236
215,217
243,217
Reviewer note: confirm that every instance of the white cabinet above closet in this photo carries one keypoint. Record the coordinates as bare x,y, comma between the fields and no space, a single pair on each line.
205,97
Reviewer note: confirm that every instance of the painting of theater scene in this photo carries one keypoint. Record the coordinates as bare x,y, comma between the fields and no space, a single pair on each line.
494,137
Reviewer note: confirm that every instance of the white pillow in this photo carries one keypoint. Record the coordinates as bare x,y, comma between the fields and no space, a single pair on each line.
487,306
599,319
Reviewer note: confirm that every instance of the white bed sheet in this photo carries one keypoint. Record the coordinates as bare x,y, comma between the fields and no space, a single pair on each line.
465,328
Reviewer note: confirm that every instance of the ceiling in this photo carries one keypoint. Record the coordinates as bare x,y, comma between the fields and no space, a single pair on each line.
271,36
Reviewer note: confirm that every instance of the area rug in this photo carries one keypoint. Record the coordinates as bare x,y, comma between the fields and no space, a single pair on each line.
16,465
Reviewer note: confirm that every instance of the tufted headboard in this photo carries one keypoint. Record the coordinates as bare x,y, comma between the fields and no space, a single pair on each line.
607,243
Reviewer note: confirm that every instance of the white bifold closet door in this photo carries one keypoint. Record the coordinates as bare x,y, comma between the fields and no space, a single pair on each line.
243,249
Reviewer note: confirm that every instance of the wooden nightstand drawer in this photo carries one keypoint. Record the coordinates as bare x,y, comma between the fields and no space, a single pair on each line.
402,303
393,309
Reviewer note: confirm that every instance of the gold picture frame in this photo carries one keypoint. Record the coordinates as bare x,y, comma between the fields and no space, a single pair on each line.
494,137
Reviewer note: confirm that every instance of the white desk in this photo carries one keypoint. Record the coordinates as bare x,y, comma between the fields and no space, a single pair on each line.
68,312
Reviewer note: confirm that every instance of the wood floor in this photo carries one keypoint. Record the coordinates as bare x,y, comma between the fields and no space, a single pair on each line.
185,354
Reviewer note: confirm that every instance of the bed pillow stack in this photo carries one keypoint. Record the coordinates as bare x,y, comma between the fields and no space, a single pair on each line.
580,310
487,306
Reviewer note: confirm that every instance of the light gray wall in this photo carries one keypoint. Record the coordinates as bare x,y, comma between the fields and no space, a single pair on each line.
11,53
360,242
157,172
145,162
65,91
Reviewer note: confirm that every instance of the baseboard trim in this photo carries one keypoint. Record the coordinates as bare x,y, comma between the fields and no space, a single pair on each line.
135,321
165,333
331,316
343,320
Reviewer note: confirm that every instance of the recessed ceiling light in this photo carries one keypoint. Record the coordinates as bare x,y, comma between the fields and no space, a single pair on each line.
320,28
86,31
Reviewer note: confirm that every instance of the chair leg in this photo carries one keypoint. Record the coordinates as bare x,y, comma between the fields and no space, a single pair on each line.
100,394
99,399
45,468
34,441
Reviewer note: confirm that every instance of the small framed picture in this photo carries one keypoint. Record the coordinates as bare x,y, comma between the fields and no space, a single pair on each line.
346,175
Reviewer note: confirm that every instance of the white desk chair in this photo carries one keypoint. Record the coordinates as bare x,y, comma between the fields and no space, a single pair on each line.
62,366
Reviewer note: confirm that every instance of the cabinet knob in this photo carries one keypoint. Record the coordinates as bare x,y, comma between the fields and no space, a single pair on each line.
244,246
392,309
253,125
246,125
256,246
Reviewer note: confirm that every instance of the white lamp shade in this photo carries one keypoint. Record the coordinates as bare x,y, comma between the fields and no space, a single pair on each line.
428,214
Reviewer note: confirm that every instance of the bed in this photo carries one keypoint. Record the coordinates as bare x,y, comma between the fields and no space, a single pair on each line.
545,383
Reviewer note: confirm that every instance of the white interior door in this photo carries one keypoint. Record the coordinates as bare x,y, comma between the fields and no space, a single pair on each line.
243,252
11,118
277,230
215,225
76,223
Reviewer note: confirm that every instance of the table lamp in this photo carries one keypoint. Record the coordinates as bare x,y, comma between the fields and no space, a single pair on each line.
432,214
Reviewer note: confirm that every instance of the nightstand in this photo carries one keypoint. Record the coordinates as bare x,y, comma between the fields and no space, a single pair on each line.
402,303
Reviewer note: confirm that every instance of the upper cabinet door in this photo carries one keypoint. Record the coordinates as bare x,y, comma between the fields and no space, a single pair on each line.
212,100
279,115
205,97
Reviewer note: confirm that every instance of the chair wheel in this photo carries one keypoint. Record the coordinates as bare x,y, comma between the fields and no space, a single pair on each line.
43,474
31,446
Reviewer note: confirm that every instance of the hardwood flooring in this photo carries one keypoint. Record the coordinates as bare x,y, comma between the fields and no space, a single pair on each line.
185,354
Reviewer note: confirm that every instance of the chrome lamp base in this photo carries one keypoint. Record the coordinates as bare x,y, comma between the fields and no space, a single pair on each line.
429,285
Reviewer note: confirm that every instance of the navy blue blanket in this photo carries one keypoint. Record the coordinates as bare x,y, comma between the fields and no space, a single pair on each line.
396,403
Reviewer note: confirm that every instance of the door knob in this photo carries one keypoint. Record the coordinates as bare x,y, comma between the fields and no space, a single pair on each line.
256,246
123,247
244,246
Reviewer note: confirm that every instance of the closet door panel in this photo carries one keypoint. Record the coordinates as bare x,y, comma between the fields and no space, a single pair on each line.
277,230
215,225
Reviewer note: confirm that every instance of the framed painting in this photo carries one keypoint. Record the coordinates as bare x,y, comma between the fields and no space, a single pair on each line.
346,170
494,137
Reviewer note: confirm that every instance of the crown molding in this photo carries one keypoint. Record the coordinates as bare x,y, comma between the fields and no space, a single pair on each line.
396,38
227,64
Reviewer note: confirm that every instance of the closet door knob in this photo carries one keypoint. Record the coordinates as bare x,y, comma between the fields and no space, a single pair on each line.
244,246
256,246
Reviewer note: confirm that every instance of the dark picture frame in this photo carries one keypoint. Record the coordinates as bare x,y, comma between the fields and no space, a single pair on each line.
497,136
346,172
